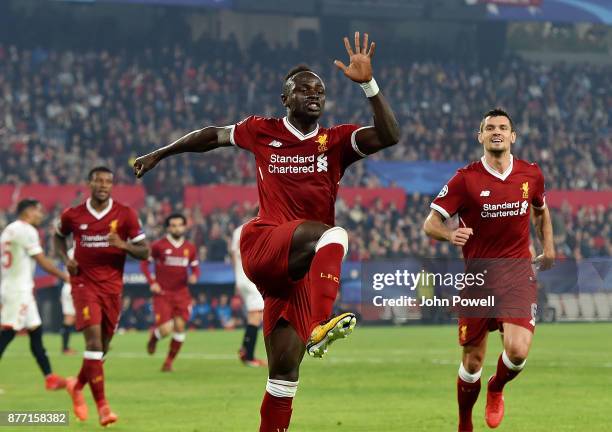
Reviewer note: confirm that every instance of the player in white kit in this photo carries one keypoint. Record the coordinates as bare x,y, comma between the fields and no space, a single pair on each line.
20,250
253,302
68,312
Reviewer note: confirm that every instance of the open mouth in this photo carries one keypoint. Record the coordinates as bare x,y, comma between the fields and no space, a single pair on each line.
313,106
497,140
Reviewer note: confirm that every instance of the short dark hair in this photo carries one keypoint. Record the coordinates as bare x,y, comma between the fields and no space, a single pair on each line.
496,112
175,216
98,169
292,72
25,204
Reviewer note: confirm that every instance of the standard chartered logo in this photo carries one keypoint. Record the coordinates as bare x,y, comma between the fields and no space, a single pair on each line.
296,164
322,163
513,208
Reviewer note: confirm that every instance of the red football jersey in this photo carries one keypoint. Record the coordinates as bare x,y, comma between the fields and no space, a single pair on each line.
298,175
172,261
496,206
100,265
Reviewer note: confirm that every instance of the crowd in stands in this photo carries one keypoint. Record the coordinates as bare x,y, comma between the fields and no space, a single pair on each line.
62,112
375,232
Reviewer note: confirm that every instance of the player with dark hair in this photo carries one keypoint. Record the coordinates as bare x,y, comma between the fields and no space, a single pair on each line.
173,257
20,250
104,232
492,199
292,250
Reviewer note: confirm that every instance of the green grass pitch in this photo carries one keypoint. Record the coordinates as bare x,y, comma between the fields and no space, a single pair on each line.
380,379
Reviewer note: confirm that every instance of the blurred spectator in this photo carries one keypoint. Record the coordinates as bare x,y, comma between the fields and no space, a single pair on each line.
202,314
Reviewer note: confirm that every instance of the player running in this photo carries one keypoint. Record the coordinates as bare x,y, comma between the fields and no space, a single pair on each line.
253,302
173,257
292,251
68,312
20,250
492,199
104,232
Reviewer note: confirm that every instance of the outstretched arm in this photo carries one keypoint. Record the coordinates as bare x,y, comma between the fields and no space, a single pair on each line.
386,130
201,140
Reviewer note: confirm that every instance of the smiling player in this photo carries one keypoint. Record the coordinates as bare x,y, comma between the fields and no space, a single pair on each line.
492,198
292,251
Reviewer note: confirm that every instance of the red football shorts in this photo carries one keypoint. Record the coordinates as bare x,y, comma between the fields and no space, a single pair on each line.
171,304
519,307
265,247
94,307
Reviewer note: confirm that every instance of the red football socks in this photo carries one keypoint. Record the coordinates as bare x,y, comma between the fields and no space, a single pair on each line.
506,372
92,372
175,345
324,281
275,413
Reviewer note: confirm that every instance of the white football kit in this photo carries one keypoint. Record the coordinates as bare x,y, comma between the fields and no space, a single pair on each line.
19,242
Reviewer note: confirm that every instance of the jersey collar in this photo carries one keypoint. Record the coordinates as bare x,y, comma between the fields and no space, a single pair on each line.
297,133
99,215
503,176
176,244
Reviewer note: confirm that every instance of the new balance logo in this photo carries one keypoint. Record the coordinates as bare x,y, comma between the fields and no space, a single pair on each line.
485,193
275,143
322,163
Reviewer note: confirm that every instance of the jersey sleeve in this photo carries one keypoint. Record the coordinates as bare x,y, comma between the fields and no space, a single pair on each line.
350,152
538,199
244,133
452,196
31,241
63,227
135,233
194,263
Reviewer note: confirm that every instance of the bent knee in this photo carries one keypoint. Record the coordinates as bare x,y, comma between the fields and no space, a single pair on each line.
517,354
337,235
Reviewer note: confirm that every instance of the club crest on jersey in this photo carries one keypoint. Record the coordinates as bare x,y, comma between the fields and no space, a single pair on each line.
185,252
113,225
322,140
525,189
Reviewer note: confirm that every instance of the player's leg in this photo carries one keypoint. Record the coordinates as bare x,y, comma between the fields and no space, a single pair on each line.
254,305
7,334
65,331
285,350
178,337
469,383
69,318
52,381
163,322
110,309
249,340
317,252
473,334
517,342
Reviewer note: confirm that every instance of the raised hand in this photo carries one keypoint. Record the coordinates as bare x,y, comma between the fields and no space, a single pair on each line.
145,163
360,60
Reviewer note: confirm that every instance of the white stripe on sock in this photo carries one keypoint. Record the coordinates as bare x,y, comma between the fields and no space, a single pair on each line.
280,388
511,365
93,355
468,377
179,337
